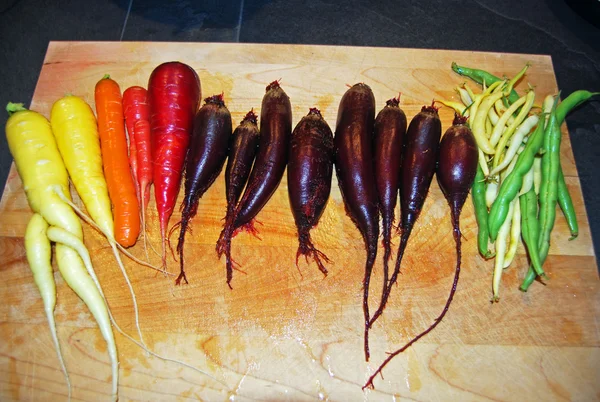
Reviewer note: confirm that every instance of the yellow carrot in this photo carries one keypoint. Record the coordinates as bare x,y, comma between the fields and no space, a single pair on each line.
39,254
43,174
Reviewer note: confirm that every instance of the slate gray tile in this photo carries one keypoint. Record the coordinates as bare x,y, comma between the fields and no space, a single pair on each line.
183,21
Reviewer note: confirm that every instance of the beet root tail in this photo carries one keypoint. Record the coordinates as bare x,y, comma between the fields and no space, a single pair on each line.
184,227
457,238
371,256
308,249
387,287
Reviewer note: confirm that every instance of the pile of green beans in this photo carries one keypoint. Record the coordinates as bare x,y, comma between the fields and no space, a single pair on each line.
537,202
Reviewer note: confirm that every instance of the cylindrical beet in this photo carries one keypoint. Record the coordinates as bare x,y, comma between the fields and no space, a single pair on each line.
244,146
353,144
272,157
209,147
419,157
457,165
456,169
309,173
268,169
390,129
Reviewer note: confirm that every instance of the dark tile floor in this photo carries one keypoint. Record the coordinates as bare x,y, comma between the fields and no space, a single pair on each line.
535,26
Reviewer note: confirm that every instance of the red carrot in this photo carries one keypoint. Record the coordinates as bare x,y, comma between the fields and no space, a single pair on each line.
137,113
173,96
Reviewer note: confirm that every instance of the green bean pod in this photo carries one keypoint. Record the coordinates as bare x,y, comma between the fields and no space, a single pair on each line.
530,228
572,101
564,198
512,184
548,191
566,204
481,214
481,77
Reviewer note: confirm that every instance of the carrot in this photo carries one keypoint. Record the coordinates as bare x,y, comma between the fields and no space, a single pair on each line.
173,96
117,171
74,127
39,254
77,139
43,174
137,113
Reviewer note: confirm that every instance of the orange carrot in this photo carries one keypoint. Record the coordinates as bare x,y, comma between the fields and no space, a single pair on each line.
115,161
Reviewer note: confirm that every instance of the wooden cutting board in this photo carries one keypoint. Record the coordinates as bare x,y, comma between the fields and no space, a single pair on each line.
287,333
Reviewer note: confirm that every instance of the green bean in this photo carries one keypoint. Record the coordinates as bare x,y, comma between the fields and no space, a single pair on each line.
566,204
481,214
530,228
548,191
537,173
512,184
482,77
572,101
564,198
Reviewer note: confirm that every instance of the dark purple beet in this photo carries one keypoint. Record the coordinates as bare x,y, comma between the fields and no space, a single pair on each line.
244,145
390,129
310,168
208,150
418,167
355,172
456,169
268,169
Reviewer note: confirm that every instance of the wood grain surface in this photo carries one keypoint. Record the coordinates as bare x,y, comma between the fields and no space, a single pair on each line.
284,333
